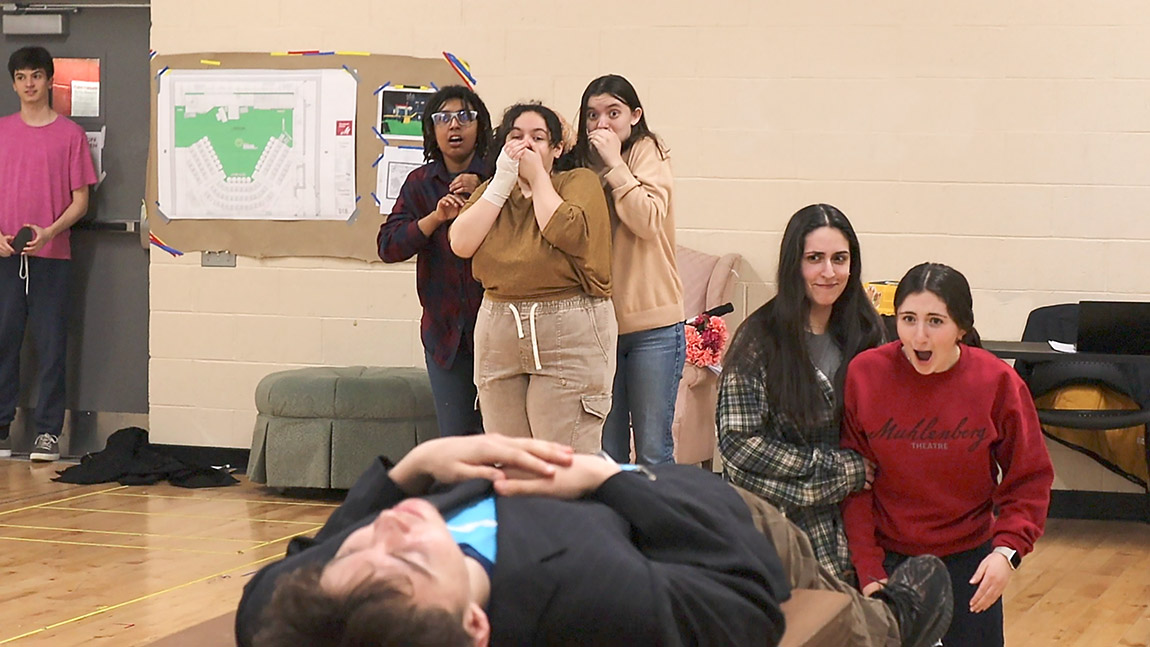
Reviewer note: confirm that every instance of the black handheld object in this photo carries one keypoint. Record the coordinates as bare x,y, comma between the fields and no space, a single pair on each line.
23,237
719,311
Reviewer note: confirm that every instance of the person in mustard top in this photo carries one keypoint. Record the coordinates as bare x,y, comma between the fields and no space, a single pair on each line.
635,171
540,243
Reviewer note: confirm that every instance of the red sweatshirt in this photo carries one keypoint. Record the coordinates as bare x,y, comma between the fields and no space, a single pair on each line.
938,441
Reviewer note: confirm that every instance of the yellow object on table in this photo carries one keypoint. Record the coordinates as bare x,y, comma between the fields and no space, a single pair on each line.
881,295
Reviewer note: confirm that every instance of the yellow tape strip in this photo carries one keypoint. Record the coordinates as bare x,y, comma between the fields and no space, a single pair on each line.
207,62
214,499
122,533
86,543
179,516
71,498
268,543
134,600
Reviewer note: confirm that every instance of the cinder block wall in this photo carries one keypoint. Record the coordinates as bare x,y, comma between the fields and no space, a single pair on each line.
1007,139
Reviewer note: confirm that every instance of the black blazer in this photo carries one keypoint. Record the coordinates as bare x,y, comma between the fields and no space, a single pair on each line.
670,561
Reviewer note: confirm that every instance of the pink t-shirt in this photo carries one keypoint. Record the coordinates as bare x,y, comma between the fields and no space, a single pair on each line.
40,166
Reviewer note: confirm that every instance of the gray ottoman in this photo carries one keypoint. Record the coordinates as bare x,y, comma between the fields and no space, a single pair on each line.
322,427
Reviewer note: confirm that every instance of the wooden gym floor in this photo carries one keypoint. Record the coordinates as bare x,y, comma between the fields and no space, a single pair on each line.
128,566
113,565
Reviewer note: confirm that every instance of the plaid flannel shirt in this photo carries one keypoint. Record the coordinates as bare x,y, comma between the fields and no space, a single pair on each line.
800,470
450,295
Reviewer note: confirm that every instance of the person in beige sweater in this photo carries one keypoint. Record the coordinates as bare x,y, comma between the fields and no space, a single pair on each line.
635,171
540,243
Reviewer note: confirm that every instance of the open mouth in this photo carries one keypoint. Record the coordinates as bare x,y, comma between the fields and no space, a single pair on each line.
455,140
923,355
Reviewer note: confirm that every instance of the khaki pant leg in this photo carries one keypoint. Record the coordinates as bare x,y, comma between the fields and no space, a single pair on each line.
570,396
500,380
872,623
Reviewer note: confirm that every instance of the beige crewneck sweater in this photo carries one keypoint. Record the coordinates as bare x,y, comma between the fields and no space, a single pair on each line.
645,279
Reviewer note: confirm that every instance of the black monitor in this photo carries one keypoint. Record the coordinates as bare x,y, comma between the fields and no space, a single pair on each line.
1116,327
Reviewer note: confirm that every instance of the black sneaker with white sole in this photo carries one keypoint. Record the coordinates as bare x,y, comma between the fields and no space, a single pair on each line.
5,444
46,448
918,592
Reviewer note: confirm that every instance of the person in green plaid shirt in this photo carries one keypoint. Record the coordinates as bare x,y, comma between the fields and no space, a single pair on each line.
779,395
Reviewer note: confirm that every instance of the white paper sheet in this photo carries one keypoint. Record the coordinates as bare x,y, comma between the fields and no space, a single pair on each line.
391,171
85,98
96,145
1062,347
257,144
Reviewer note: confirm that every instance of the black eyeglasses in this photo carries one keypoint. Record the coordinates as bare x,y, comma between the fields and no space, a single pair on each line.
464,116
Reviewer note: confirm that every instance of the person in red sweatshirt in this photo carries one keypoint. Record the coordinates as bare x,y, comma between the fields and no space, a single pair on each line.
939,416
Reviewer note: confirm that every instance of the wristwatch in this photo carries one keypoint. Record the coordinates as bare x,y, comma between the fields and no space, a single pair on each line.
1011,556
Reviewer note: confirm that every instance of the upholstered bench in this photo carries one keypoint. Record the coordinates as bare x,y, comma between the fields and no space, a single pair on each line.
321,427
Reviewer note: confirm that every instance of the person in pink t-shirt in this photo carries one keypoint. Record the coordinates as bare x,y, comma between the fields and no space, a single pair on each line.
45,171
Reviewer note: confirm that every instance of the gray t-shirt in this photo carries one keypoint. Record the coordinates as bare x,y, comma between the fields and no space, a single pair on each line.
825,354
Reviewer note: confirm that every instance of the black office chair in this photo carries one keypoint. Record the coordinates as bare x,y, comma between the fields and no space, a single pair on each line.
1060,323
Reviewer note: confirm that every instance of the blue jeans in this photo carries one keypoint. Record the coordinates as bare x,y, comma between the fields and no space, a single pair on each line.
454,393
650,363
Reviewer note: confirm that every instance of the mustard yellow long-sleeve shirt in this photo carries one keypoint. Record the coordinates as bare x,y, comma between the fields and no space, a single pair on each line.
572,255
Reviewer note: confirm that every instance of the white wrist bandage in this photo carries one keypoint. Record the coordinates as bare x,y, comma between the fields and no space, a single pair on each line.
506,174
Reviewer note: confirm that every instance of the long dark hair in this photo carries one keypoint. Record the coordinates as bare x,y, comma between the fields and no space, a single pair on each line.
621,89
471,101
949,285
775,333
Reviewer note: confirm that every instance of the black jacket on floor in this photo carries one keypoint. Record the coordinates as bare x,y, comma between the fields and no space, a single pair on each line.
129,459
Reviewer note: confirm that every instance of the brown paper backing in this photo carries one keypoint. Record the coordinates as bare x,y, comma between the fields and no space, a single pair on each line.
262,238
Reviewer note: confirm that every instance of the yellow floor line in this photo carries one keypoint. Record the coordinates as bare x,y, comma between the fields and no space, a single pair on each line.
213,500
268,543
98,545
179,516
127,534
133,601
55,501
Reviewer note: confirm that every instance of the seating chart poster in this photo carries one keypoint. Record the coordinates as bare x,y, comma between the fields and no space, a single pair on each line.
256,144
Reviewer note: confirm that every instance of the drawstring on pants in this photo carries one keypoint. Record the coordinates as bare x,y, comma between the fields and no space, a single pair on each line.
534,336
24,272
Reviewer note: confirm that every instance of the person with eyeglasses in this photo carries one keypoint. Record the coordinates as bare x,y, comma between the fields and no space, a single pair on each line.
635,171
541,246
455,143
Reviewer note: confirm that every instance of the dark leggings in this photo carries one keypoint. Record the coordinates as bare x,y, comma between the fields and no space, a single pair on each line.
966,629
40,304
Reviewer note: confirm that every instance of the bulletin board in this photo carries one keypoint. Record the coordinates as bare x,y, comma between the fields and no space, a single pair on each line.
354,238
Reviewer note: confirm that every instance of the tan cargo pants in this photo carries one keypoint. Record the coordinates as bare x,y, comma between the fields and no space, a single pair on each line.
545,369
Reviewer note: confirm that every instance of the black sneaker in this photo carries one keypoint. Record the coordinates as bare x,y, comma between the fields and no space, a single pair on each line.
46,448
5,443
918,593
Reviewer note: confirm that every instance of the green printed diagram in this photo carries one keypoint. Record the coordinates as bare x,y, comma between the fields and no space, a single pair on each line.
237,158
256,144
239,143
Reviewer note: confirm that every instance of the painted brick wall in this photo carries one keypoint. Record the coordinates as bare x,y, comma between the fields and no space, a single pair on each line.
1006,139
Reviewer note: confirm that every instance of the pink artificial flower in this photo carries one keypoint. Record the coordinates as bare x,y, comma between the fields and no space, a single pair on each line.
706,339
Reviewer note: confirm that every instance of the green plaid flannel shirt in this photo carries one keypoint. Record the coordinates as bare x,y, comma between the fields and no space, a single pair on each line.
800,470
